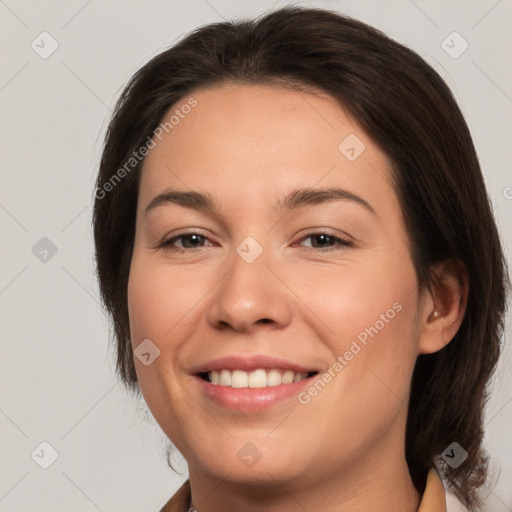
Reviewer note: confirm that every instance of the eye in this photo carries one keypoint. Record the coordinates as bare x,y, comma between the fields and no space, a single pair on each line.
188,240
325,242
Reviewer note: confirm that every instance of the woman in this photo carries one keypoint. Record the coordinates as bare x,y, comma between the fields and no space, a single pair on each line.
296,247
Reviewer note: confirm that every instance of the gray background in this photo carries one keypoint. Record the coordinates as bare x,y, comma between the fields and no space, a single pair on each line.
56,368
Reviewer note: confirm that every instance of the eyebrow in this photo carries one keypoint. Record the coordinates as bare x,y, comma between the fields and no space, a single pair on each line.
296,199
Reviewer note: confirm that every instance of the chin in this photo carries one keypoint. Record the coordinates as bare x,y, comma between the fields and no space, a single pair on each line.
248,462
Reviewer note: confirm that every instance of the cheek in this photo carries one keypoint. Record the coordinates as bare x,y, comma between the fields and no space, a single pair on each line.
353,297
158,300
372,338
155,313
370,316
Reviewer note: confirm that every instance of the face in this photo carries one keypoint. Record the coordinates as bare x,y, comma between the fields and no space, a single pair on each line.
274,281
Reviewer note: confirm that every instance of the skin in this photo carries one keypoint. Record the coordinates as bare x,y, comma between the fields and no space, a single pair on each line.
248,146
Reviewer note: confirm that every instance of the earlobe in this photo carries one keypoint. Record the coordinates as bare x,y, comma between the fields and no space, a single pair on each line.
443,312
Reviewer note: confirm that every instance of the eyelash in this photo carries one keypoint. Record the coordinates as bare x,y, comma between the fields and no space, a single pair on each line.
167,244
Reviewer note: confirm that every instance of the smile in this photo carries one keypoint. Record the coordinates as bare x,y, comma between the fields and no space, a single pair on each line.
259,378
251,383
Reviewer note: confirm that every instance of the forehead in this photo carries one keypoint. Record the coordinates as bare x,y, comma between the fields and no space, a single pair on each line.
255,140
232,118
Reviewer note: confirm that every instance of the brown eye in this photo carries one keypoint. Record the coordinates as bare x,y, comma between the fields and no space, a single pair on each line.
188,241
325,241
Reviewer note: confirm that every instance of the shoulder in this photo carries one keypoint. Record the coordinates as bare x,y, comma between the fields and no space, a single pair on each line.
179,502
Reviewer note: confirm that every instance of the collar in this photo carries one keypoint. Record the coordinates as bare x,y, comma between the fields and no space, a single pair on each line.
433,499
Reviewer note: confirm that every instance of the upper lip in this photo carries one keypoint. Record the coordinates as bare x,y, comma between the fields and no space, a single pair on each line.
249,363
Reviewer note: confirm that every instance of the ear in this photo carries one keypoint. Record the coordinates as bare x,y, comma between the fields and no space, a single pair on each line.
443,307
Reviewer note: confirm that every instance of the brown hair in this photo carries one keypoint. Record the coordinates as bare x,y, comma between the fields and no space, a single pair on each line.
410,113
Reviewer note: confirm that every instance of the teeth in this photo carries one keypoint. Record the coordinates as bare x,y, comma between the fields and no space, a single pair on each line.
259,378
303,376
274,378
239,379
225,378
288,376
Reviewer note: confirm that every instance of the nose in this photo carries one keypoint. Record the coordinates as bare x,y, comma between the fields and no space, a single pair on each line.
250,295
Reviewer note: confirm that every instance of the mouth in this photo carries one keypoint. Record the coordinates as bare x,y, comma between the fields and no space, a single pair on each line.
251,383
258,378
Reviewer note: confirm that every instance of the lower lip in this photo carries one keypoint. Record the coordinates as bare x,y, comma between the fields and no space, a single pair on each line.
251,399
